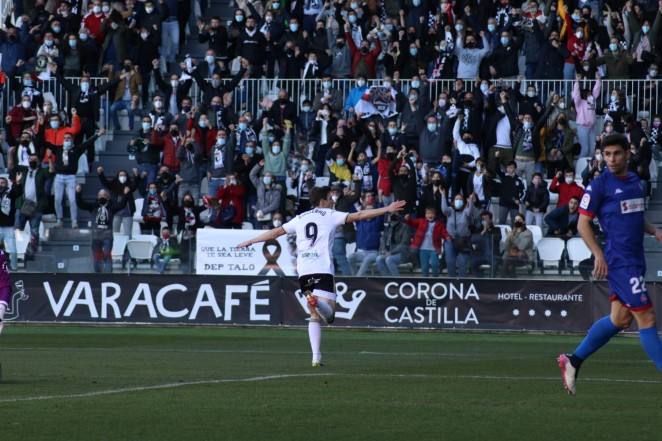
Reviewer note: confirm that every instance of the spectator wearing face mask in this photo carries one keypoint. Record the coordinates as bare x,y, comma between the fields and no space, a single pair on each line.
434,141
341,59
305,125
536,200
126,94
116,34
174,91
559,145
188,223
337,165
504,58
166,249
66,166
55,132
190,156
169,142
403,181
93,22
222,157
485,244
393,246
303,182
19,118
466,154
363,59
510,193
33,200
574,44
268,196
655,136
412,119
154,211
585,102
104,211
470,55
562,221
518,249
427,240
328,95
123,220
230,197
215,87
355,94
147,153
567,189
275,155
551,58
459,220
13,50
368,234
48,50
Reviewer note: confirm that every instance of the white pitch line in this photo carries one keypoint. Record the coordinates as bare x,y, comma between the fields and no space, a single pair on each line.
285,376
156,387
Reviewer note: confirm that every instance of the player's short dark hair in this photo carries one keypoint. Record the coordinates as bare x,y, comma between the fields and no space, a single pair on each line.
318,194
616,139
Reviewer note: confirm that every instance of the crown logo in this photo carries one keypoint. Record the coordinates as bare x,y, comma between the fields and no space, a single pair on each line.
346,304
18,295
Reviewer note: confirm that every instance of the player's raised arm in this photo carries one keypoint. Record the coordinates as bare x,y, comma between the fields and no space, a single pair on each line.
274,233
653,231
586,232
394,207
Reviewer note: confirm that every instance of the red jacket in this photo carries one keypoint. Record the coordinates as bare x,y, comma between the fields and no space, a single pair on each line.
167,143
421,225
370,58
17,125
56,136
565,191
233,194
206,142
93,24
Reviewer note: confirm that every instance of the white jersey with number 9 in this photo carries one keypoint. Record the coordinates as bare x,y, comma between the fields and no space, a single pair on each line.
315,230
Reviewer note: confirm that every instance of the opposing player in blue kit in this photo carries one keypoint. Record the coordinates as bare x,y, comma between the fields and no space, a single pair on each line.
616,198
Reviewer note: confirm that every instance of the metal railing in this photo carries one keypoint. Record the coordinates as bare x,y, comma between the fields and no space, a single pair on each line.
643,97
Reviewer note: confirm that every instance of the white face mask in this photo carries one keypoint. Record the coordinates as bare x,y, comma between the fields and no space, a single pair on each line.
122,179
569,180
105,9
277,223
144,35
173,83
25,104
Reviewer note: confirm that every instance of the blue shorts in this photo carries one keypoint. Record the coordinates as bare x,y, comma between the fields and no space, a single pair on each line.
628,287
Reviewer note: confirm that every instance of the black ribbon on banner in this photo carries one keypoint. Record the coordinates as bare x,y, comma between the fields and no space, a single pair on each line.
272,259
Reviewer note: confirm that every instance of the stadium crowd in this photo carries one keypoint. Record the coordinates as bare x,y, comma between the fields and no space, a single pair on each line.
494,148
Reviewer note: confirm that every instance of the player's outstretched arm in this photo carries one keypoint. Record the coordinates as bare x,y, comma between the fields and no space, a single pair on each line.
274,233
375,212
586,232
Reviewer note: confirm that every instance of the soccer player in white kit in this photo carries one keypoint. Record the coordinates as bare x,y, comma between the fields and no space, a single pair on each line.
315,230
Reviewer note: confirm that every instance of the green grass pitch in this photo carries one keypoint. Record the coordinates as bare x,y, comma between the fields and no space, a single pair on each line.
76,383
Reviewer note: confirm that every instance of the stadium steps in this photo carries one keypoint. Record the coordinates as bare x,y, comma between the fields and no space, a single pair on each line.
63,250
216,7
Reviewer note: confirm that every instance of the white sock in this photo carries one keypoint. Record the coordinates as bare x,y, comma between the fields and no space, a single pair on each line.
315,336
324,309
3,308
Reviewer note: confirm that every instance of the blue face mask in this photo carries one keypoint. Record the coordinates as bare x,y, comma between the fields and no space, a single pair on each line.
249,151
275,149
352,19
202,124
432,127
491,27
152,191
415,83
84,86
67,145
458,204
55,124
340,162
239,18
146,126
72,43
505,41
413,51
266,180
613,47
275,5
242,126
392,131
294,27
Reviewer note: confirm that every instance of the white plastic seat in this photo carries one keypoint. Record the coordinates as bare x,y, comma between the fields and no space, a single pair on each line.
577,251
505,230
138,216
246,226
536,232
119,245
550,251
140,249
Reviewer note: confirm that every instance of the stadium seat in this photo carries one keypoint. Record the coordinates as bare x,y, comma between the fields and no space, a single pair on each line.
246,226
577,252
140,249
550,251
119,245
137,216
537,234
653,170
505,230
